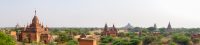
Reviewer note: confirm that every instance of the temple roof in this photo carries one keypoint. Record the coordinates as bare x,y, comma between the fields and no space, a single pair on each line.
35,18
169,26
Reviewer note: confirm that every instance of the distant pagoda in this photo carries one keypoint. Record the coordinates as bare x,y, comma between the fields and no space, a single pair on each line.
155,27
169,28
128,26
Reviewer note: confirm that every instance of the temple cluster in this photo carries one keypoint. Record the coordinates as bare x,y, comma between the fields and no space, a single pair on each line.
37,32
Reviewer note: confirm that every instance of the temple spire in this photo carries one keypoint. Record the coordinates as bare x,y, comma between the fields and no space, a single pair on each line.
169,27
35,18
113,26
155,26
35,12
106,27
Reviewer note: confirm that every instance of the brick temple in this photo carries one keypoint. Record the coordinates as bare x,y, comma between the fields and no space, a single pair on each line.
111,31
34,32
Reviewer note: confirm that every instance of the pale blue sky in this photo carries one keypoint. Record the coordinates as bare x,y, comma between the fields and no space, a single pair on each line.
95,13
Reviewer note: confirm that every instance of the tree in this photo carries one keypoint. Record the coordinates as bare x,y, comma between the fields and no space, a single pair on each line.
181,39
172,43
121,34
196,40
106,39
103,44
151,29
162,30
135,41
96,33
130,34
120,42
72,42
136,29
55,31
64,38
6,39
148,39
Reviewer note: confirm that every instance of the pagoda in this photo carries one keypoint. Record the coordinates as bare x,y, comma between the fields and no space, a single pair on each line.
169,28
35,32
112,31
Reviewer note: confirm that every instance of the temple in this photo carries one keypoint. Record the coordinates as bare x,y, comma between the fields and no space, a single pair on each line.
112,31
34,32
169,28
88,39
155,27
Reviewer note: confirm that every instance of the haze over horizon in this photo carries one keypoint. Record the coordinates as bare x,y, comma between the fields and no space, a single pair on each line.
95,13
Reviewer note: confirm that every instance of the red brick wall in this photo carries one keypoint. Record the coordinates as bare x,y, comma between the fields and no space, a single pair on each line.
85,42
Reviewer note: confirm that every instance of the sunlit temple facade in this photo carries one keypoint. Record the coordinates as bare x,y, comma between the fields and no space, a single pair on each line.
34,32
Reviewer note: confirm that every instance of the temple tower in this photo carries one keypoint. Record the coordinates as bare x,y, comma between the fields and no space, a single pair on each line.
169,28
35,32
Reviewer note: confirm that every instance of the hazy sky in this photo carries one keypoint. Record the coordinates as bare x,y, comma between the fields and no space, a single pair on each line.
95,13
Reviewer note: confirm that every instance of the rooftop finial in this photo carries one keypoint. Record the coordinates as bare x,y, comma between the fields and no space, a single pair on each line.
35,12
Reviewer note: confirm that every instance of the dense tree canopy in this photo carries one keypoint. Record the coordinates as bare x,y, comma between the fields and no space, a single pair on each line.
106,39
64,38
6,39
120,42
135,41
151,29
149,39
181,39
72,42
